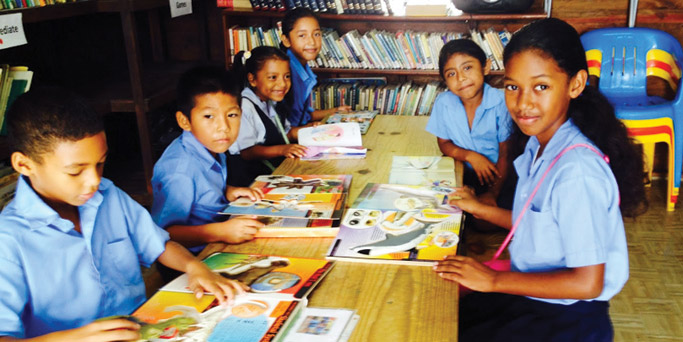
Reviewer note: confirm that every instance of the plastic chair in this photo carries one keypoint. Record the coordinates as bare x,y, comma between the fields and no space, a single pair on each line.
623,58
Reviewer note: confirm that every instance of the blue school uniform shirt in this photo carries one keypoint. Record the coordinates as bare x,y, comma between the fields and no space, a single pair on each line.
491,125
303,81
574,220
189,185
252,130
54,278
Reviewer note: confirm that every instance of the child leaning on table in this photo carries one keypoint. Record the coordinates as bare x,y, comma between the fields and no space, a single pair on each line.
302,38
471,122
190,179
569,255
71,242
265,132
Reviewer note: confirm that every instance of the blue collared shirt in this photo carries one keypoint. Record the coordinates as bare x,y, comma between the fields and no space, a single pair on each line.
252,130
574,220
303,81
189,185
53,278
491,125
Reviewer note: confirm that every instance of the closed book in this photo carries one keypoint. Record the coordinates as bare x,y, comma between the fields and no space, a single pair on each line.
255,4
322,6
313,5
21,83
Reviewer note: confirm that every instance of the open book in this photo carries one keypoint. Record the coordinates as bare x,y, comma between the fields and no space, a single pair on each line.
279,286
363,118
332,141
423,170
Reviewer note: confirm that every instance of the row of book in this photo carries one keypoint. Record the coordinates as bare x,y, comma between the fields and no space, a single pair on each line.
380,7
377,49
14,81
407,98
12,4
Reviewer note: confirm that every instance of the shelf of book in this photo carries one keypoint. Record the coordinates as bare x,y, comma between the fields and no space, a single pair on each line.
389,18
53,12
398,72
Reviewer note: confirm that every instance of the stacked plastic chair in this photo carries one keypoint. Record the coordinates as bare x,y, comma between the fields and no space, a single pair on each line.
623,59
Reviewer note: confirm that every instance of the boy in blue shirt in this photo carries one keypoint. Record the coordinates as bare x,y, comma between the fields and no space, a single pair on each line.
471,121
189,180
71,242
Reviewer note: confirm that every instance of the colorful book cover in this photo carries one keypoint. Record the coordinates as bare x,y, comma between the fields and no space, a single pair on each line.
304,206
415,237
177,316
279,277
405,197
302,184
363,118
423,170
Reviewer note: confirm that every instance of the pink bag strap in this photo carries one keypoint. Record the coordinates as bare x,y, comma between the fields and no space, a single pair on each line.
533,193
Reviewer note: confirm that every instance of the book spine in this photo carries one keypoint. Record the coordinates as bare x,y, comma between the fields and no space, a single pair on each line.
322,6
255,4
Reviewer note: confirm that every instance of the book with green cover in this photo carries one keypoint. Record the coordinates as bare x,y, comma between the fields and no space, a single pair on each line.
21,83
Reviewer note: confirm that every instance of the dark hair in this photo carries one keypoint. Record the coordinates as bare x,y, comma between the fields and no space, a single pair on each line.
463,46
590,111
37,120
291,17
204,80
258,58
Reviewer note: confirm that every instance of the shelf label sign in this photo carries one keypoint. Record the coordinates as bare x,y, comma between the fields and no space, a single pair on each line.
11,31
180,7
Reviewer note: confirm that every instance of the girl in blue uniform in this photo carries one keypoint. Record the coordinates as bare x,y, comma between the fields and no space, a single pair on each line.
302,38
568,255
265,137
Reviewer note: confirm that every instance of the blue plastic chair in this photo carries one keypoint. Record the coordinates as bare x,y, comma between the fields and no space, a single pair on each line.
623,58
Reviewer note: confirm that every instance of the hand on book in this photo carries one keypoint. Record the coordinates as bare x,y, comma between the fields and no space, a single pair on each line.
237,229
293,151
119,329
201,279
233,193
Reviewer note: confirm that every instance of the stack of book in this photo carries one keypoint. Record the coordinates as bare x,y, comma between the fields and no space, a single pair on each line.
14,81
403,224
275,302
407,98
296,205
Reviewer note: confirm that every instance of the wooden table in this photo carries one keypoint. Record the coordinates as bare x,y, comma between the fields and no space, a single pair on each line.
395,303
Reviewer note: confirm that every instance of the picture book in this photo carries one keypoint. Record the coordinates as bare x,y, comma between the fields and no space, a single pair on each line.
302,184
332,141
363,118
405,197
423,170
322,325
303,206
414,237
179,316
279,277
283,227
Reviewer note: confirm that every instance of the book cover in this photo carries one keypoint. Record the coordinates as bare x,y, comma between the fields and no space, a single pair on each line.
303,206
21,83
413,237
405,197
323,325
302,184
423,170
332,141
363,118
279,277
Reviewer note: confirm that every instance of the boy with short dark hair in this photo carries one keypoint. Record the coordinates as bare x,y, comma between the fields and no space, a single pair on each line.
190,179
71,242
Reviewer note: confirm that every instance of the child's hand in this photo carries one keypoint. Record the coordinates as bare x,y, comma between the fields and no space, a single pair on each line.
238,229
343,109
485,169
466,271
467,200
293,151
233,193
201,279
119,329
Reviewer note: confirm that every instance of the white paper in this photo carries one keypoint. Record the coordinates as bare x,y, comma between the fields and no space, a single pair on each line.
180,7
11,31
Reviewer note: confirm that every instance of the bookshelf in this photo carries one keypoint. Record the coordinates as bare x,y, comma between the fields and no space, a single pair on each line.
144,81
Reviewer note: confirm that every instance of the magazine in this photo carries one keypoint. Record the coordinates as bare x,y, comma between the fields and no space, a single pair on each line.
332,141
303,206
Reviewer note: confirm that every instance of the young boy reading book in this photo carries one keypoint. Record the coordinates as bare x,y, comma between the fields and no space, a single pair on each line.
71,243
189,180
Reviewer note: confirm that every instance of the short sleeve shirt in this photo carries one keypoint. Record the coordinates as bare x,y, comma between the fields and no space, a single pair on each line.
574,219
303,81
54,278
491,125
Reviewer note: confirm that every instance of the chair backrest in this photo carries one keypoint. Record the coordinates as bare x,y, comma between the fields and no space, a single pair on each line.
624,57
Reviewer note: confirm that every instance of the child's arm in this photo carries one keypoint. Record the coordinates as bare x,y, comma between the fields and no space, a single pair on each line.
267,152
320,114
200,277
234,192
235,230
99,331
480,209
573,283
485,169
503,167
